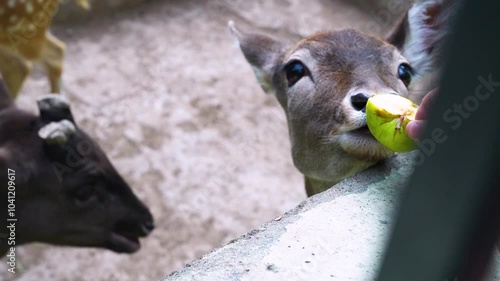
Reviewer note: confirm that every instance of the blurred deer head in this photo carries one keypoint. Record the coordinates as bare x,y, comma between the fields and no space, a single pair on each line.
67,191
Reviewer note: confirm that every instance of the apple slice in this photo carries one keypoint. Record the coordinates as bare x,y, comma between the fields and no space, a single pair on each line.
387,116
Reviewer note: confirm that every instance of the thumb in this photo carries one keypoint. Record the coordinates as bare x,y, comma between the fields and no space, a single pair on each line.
415,129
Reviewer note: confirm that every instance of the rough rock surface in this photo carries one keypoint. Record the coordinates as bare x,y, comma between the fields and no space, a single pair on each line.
336,235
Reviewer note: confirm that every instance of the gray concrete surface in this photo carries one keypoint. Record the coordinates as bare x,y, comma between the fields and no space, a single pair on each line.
336,235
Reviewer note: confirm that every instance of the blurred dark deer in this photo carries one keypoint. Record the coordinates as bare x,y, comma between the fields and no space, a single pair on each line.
66,190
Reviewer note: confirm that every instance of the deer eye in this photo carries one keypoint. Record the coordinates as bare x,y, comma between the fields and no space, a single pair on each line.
404,73
85,193
295,70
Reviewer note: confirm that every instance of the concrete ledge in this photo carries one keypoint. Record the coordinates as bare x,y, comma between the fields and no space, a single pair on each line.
336,235
339,234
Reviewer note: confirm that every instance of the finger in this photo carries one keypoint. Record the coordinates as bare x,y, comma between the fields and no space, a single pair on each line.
425,105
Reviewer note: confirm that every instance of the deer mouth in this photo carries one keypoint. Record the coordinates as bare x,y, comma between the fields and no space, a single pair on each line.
363,131
123,242
125,237
364,135
361,144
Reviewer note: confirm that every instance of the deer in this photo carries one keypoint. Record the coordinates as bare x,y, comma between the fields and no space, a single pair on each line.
24,39
323,82
65,190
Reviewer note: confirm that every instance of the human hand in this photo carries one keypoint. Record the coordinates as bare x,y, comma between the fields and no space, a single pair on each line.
415,128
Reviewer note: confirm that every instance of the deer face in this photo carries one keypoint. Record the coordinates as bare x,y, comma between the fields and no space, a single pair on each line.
68,192
324,81
81,200
327,81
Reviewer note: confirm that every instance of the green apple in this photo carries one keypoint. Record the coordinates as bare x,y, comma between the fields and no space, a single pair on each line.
387,116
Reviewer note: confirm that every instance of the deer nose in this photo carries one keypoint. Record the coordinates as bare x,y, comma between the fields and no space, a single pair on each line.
359,101
147,227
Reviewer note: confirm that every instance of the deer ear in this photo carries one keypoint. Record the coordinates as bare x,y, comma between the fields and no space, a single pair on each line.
54,108
57,132
262,52
421,34
56,113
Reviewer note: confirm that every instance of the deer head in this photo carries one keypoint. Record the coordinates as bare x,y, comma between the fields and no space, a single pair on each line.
67,191
324,81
